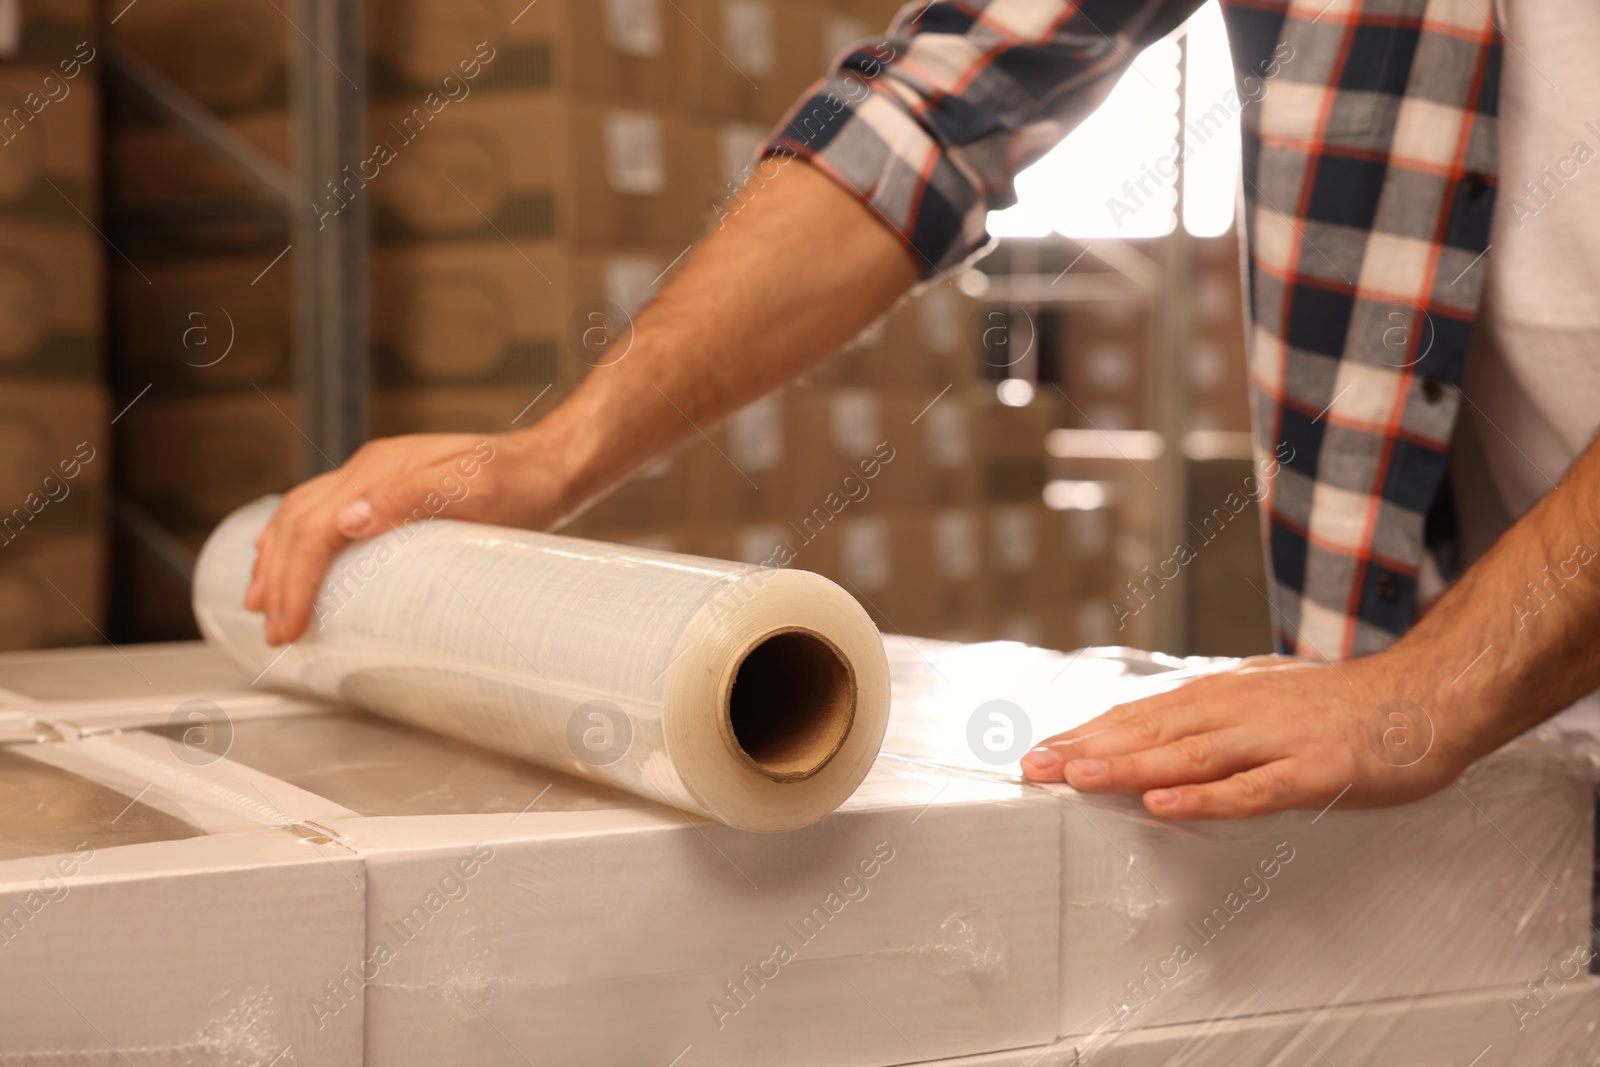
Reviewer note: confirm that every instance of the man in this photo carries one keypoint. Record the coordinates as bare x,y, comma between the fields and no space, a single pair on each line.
1371,166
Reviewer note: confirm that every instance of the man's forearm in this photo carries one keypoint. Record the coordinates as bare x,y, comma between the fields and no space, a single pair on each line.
800,269
1514,641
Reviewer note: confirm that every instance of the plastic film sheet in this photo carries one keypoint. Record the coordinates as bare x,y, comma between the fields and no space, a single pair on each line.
379,767
757,697
46,811
1482,1028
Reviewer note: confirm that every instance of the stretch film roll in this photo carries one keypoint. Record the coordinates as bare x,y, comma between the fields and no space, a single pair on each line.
754,696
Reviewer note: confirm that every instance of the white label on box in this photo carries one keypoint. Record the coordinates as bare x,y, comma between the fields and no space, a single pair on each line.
854,422
1110,417
758,544
864,553
755,435
937,318
838,33
629,281
1110,367
955,545
1026,629
1094,624
747,35
10,28
1090,531
944,429
1207,366
737,145
633,27
1016,540
634,163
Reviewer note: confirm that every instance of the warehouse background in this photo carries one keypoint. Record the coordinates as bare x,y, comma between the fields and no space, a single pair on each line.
1060,418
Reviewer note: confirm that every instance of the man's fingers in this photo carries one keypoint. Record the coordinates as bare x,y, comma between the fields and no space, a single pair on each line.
1131,728
1197,757
303,574
1261,790
293,523
253,598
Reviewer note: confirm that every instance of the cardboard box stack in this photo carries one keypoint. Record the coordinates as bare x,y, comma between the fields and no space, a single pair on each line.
535,173
55,458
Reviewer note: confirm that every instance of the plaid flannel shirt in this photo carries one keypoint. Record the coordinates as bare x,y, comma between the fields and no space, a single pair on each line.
1369,179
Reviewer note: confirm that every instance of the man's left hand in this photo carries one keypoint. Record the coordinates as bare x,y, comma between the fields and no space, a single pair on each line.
1269,735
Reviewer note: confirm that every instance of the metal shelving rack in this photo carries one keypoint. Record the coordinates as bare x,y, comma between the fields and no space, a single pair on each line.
332,369
328,252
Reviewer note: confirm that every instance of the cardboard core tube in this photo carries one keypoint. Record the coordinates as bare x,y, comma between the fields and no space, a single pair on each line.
791,705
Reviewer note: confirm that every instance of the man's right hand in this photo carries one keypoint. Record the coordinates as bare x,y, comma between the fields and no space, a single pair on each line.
475,477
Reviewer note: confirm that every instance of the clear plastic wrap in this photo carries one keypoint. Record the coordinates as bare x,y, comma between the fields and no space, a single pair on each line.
755,696
47,811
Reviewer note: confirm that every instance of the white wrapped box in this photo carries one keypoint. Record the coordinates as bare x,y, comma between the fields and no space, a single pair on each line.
1487,1028
139,925
506,904
1162,922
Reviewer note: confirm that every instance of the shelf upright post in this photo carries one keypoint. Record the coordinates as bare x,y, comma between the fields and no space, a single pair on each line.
329,230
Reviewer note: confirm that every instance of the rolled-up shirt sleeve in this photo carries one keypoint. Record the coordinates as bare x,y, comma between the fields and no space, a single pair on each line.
930,125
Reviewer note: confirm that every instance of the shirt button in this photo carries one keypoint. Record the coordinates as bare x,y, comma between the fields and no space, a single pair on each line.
1432,390
1475,184
1388,588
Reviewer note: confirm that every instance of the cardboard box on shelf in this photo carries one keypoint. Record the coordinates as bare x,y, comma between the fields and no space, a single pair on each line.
527,166
53,588
886,560
230,56
619,49
459,409
1017,566
726,169
1105,356
925,342
151,600
50,30
656,495
1218,376
191,460
746,468
859,445
164,167
51,286
1010,446
771,544
54,461
492,312
750,58
50,133
960,565
206,324
948,450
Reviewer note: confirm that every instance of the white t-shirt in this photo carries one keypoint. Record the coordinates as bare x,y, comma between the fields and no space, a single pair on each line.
1533,370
